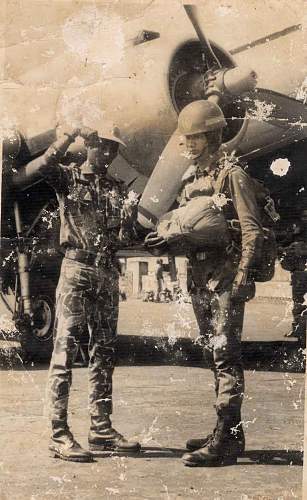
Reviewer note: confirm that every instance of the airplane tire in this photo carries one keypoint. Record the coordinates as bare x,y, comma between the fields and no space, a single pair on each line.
37,341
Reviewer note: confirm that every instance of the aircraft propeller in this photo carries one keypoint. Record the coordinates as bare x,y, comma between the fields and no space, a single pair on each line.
218,79
220,84
212,60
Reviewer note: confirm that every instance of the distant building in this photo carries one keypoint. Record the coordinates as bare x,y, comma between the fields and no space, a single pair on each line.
138,275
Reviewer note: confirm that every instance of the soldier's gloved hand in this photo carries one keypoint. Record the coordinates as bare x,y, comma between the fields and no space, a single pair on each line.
243,288
154,240
155,244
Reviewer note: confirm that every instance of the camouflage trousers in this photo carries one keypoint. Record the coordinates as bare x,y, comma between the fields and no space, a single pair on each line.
87,296
220,322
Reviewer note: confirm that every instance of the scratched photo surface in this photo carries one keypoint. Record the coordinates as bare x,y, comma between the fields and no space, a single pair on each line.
153,249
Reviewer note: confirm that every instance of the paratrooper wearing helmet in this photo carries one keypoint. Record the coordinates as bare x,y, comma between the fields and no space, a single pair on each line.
220,277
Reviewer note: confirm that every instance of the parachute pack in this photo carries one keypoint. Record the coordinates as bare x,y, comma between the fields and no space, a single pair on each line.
200,223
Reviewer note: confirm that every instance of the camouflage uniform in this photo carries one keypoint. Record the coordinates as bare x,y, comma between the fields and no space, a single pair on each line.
212,274
220,321
87,296
93,226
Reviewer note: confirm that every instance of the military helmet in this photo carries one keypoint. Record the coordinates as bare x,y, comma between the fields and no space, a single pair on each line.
105,129
200,116
108,130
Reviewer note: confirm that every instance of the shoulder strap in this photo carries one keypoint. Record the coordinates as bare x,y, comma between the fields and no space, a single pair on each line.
189,174
222,176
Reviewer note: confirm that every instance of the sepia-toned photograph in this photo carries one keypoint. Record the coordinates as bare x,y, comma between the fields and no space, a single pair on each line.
153,274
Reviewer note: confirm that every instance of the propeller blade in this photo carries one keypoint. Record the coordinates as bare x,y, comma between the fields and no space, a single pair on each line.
164,183
212,60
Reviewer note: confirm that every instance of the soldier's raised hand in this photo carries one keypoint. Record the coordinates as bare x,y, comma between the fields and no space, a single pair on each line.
66,130
87,133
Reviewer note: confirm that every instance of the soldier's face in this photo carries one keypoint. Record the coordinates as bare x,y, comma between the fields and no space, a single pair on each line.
203,144
101,153
196,145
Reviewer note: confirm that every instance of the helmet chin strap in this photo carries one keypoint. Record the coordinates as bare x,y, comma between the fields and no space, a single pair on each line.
208,160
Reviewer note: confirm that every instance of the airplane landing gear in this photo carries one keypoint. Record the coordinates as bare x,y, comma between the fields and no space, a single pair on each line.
36,332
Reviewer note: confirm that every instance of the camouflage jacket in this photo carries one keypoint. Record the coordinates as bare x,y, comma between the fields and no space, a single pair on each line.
95,210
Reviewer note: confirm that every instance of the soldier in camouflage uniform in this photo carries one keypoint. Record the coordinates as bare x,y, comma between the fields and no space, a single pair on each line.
96,219
220,277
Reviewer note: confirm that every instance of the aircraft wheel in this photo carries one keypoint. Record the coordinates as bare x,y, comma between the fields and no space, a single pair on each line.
37,341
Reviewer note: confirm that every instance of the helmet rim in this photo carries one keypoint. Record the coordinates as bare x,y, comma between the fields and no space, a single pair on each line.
200,117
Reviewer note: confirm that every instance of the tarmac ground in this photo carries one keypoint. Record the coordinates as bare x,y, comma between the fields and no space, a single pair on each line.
161,406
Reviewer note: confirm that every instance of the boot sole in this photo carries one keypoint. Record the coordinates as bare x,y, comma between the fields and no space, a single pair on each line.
110,447
218,462
56,454
192,448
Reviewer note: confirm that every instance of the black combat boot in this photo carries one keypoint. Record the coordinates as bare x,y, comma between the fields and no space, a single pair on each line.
225,446
196,443
63,445
102,437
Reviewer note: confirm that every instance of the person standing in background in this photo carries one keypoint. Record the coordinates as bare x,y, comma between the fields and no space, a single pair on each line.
159,279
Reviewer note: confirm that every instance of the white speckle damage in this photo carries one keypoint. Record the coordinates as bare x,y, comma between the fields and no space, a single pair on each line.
280,166
219,341
301,94
112,491
132,198
60,480
262,111
95,36
147,434
154,199
229,160
220,200
6,325
186,154
78,108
